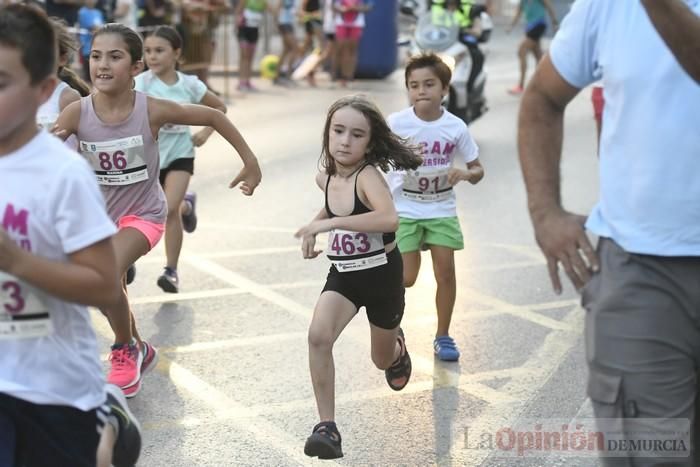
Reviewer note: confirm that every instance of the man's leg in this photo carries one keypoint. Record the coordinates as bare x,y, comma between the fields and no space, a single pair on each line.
642,343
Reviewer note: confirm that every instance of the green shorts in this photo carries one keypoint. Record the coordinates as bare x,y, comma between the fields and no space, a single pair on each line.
414,233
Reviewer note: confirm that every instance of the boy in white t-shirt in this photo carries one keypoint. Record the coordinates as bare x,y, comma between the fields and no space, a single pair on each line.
424,198
56,257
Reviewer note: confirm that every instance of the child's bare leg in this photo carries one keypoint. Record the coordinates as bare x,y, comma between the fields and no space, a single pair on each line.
333,312
411,267
106,446
175,187
444,270
385,346
129,245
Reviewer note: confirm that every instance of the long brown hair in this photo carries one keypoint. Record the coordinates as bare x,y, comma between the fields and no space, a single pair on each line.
385,148
67,45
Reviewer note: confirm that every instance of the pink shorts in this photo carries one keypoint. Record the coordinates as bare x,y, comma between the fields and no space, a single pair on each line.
150,230
348,32
598,102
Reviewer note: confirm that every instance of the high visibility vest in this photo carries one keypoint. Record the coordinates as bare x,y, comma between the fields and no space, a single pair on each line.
462,16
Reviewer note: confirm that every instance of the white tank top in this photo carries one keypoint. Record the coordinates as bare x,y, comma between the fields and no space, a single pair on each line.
47,114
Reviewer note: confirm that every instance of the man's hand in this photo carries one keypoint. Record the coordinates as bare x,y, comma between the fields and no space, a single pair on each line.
562,238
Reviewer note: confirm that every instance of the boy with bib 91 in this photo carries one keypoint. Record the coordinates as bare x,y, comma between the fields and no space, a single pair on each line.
424,198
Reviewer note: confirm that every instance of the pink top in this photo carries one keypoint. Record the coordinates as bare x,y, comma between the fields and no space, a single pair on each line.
125,159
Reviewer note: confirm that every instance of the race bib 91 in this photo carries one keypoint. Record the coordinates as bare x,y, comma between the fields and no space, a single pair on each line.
23,313
354,251
117,162
426,185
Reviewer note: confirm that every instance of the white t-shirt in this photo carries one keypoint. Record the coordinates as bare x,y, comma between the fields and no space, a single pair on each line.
47,113
445,141
50,204
649,199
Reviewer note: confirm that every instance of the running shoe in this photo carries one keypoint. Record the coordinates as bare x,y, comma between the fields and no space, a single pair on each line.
189,220
130,274
126,361
128,444
446,349
516,90
168,281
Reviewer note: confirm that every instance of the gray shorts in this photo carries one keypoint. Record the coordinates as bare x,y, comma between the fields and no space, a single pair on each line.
643,342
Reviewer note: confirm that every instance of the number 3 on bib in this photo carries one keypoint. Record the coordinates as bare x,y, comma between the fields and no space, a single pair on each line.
23,313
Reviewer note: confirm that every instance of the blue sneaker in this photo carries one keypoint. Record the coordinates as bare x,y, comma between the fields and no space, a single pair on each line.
446,349
189,221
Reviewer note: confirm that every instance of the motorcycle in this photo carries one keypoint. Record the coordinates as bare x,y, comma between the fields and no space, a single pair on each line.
444,40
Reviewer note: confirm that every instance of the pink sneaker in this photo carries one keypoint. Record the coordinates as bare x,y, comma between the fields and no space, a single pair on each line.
150,358
126,366
516,90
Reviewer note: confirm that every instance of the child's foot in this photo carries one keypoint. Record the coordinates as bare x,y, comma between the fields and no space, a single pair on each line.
398,374
150,357
189,220
168,281
311,79
516,90
128,444
446,349
324,442
125,372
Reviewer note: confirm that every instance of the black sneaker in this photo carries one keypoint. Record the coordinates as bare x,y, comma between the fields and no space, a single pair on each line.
324,442
128,445
189,221
168,281
130,274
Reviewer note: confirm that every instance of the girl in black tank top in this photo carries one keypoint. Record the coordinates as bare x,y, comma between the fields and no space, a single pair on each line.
358,207
356,143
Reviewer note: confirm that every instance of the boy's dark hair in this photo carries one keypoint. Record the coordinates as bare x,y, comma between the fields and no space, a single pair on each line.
28,29
432,61
134,43
385,148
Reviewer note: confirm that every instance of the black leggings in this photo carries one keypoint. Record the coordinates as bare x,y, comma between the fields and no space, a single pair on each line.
477,63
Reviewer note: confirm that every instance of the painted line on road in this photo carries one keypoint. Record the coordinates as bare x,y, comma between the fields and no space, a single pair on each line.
184,296
237,342
224,274
274,408
536,371
419,363
523,312
223,407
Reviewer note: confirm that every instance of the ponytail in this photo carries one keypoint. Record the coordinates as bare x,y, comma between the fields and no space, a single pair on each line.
72,79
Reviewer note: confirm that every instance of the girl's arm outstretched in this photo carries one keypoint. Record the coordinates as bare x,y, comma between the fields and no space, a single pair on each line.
162,111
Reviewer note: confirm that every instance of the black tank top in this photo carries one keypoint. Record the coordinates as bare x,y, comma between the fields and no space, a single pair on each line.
358,207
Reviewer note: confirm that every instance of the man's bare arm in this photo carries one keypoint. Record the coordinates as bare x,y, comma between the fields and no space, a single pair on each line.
679,27
559,234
